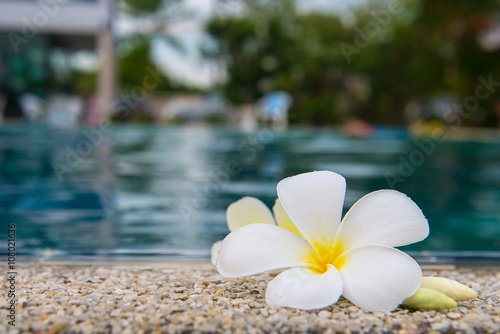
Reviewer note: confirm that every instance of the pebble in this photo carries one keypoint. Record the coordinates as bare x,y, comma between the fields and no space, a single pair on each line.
134,298
131,297
324,314
453,315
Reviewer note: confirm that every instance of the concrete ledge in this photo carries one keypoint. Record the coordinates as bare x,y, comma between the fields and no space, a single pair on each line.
194,298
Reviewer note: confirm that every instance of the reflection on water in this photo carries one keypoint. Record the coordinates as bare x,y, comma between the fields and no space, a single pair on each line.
161,193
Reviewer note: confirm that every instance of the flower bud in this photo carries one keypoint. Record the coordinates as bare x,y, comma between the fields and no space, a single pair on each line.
451,288
429,299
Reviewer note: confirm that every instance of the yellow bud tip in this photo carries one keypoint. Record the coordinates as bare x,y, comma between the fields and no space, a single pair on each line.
453,289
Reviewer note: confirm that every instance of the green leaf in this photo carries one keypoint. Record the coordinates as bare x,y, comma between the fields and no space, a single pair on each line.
429,299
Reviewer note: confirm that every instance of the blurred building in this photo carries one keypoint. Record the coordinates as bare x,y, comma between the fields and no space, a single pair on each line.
38,43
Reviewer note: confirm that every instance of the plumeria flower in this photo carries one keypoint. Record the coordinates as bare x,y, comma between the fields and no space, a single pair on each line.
328,258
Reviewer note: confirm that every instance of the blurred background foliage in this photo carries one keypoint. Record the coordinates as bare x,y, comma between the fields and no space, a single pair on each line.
151,19
372,64
370,67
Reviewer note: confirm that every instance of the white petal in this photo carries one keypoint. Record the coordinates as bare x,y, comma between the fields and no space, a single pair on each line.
384,217
304,289
248,210
215,251
314,202
282,218
379,278
257,248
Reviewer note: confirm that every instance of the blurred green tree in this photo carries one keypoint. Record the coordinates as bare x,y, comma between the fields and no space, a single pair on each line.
273,47
151,19
421,52
452,32
435,51
255,48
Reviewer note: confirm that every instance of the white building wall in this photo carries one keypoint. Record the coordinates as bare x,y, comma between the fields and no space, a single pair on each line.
55,16
23,19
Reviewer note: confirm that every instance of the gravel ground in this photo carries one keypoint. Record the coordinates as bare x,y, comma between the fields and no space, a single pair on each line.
176,298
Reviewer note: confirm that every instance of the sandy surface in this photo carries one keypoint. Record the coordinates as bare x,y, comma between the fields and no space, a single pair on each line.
176,298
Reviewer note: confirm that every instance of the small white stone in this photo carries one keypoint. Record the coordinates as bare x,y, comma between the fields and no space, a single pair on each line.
453,315
131,297
116,313
324,314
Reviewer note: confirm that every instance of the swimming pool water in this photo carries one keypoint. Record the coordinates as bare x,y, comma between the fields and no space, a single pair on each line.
147,193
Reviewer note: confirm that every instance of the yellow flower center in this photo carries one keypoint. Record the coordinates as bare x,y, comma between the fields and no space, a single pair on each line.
323,255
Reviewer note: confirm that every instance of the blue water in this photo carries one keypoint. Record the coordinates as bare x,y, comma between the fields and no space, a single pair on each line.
146,193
